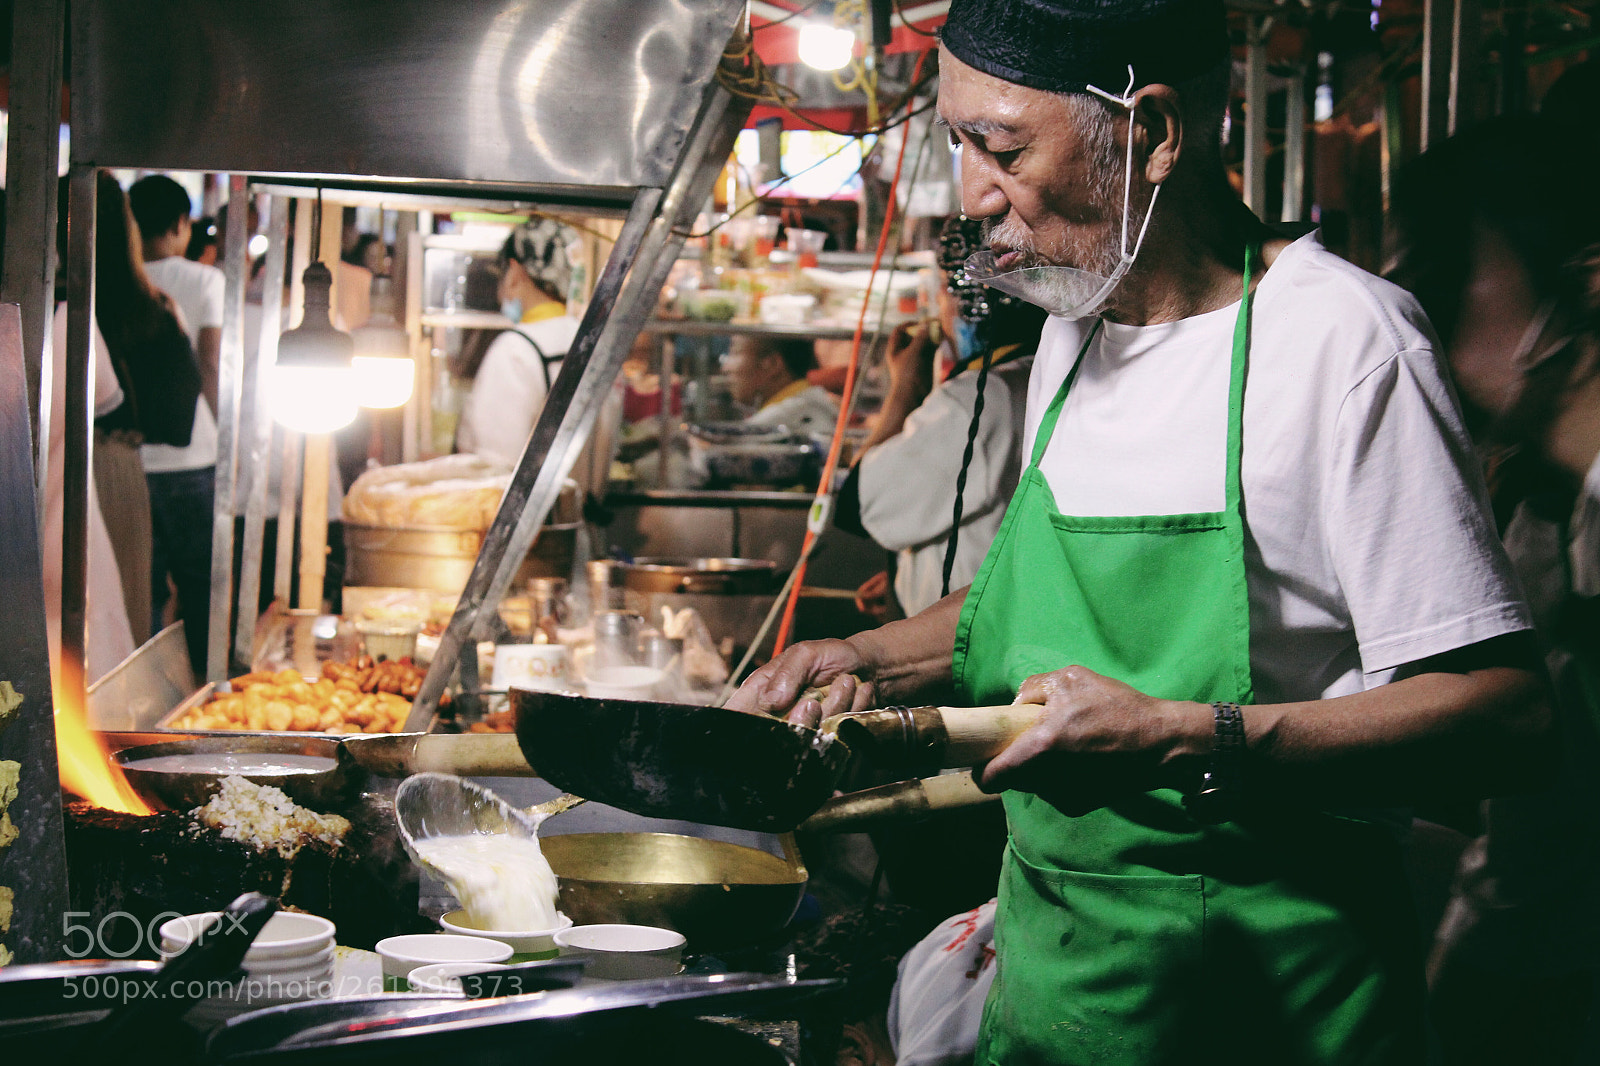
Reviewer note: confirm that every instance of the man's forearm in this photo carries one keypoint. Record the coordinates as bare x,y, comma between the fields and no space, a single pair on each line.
1481,731
209,355
910,659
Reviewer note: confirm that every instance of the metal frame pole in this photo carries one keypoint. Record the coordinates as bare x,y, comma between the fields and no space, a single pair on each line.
33,148
623,295
1466,64
230,386
1438,23
1294,148
258,444
77,474
1255,113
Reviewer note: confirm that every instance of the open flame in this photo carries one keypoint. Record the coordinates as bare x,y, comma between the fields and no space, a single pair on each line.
85,762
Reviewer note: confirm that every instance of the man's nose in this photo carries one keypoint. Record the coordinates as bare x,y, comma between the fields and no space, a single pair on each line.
981,195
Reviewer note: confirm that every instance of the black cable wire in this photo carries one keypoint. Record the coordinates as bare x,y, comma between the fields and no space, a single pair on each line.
961,478
806,10
767,196
316,228
899,9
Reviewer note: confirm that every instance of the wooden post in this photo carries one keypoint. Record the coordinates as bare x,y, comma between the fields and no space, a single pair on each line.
314,520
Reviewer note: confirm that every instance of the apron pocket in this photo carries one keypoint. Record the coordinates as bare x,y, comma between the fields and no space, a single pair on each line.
1096,968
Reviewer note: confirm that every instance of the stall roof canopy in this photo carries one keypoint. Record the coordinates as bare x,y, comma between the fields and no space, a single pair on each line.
566,100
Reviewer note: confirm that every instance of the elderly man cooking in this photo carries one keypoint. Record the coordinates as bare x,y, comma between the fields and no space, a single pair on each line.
1249,576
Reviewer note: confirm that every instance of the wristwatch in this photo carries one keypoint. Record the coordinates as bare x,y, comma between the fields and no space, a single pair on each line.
1218,797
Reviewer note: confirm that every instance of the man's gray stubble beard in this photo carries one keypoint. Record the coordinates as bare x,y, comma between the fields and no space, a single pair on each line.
1108,167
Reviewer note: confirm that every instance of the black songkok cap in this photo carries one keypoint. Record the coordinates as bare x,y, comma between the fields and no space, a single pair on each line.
1063,46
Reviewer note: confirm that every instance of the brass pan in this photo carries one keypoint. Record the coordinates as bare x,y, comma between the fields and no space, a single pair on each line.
715,893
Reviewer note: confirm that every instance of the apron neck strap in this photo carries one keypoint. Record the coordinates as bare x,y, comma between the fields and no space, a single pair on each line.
1047,424
1241,350
1241,360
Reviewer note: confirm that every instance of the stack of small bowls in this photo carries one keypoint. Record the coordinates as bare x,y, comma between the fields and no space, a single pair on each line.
289,961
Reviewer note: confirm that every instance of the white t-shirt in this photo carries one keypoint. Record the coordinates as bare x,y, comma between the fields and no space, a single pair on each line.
937,1002
908,482
109,636
198,290
1368,539
811,412
508,393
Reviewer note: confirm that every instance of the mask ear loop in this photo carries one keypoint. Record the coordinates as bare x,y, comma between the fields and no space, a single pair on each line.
1126,100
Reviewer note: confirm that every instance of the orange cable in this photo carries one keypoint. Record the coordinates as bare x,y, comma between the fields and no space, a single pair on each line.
825,488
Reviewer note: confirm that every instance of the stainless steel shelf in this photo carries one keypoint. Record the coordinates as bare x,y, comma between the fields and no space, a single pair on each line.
697,328
465,319
797,501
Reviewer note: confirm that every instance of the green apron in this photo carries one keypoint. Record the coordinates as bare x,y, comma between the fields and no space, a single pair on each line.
1134,934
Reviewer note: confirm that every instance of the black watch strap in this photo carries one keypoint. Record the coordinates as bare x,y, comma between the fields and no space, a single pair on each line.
1218,796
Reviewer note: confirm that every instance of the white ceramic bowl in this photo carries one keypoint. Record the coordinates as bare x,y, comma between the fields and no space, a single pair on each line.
624,952
529,944
290,960
623,682
286,935
446,976
402,954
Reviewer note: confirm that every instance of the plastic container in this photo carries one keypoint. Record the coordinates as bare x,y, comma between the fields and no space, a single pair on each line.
805,244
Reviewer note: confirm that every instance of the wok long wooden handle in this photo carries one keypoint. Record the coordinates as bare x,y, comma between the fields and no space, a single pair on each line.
978,734
927,738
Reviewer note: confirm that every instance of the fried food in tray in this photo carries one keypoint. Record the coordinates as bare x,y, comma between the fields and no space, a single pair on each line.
495,722
362,696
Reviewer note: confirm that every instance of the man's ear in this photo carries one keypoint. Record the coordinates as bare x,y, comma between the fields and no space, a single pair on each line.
1159,119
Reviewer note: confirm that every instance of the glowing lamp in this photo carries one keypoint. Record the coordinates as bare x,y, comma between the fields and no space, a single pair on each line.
825,47
312,386
384,370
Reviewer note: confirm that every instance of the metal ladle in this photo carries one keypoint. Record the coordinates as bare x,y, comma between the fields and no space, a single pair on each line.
438,805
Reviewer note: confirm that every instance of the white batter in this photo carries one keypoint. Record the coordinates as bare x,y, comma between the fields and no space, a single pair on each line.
246,764
502,881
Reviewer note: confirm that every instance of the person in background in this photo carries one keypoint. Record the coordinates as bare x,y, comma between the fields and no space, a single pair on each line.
369,252
109,639
1497,234
182,480
770,375
202,241
925,448
514,376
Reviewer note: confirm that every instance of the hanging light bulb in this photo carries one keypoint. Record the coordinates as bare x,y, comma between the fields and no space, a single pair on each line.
384,369
312,385
825,47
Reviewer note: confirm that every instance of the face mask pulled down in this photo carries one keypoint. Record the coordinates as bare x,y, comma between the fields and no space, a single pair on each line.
1068,292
